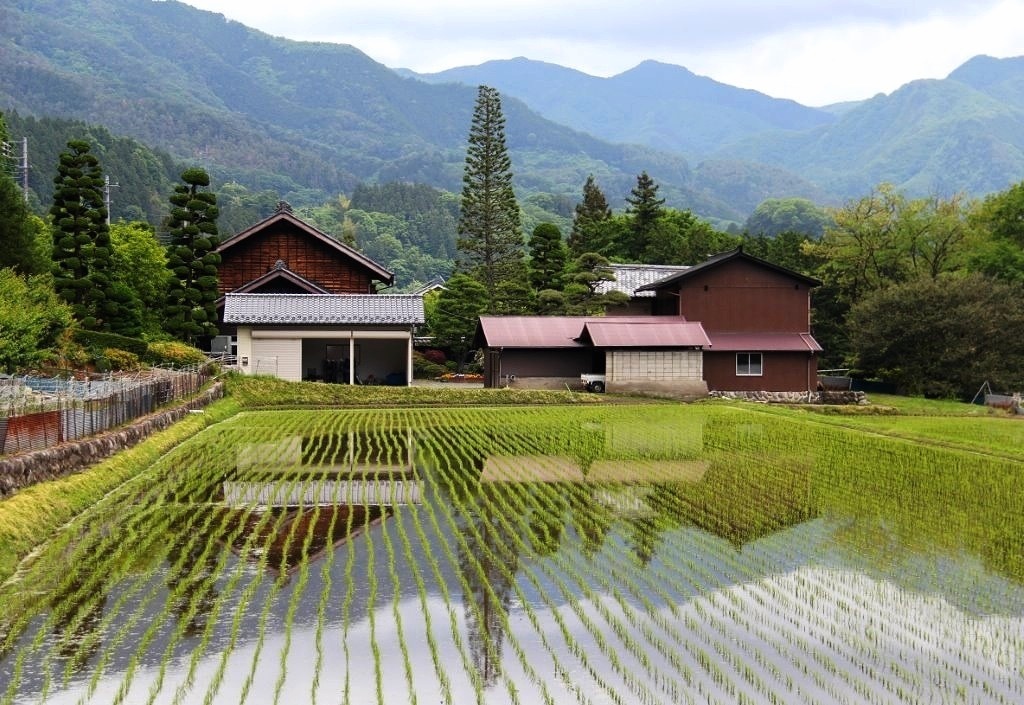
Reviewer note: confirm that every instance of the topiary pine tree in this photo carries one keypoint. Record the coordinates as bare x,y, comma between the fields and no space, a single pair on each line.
81,241
491,238
548,258
191,310
591,212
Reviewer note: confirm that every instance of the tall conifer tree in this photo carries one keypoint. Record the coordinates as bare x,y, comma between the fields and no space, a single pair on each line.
490,234
191,311
591,213
81,247
645,208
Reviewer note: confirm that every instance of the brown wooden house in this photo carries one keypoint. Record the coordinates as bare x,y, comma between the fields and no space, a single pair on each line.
754,335
300,304
283,254
757,317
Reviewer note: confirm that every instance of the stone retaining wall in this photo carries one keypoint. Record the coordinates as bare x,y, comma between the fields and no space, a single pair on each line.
844,397
22,470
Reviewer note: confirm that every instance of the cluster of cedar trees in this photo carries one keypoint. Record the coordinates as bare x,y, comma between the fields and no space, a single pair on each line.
103,276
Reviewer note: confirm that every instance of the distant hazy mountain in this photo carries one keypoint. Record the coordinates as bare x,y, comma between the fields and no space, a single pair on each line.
659,105
964,133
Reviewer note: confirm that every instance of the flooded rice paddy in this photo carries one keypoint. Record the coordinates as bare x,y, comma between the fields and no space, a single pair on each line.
649,554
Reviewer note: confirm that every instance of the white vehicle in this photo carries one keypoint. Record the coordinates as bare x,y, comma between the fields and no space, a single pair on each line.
593,383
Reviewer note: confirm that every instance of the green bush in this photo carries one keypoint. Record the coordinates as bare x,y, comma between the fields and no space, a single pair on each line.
98,342
170,352
32,319
115,359
423,368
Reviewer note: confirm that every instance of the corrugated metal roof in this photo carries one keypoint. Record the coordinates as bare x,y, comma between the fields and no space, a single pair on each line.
763,342
551,331
532,331
630,277
652,333
323,309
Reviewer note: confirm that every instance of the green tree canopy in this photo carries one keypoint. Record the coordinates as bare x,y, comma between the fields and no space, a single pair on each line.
591,213
191,310
941,337
775,216
455,317
140,266
81,243
548,257
491,240
645,209
32,317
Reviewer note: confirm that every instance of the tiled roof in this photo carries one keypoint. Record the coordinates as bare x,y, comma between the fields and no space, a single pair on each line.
656,332
763,342
630,277
323,309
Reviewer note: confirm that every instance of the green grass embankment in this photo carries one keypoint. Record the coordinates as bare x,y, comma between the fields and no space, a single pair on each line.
32,515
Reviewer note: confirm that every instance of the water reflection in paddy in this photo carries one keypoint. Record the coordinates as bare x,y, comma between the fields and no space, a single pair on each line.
515,557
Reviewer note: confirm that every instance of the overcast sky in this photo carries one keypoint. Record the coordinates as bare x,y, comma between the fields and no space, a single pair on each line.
813,51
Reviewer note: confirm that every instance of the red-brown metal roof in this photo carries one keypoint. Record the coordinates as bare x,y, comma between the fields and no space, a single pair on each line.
548,331
654,332
763,342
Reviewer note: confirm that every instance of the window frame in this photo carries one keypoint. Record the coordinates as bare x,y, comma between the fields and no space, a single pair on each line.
749,360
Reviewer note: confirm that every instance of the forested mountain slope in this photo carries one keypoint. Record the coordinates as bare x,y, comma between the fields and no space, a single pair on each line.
306,119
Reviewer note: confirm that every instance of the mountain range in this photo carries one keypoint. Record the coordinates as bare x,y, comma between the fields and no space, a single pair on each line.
310,120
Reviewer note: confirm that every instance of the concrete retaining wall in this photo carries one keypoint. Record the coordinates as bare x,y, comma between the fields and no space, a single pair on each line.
22,470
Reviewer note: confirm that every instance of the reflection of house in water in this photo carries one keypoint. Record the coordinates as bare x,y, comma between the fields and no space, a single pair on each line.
301,534
314,493
353,467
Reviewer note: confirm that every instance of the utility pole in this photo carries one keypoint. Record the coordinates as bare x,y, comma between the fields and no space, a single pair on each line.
24,169
106,194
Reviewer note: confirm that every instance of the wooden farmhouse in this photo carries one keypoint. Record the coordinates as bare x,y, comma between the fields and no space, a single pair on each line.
732,323
302,305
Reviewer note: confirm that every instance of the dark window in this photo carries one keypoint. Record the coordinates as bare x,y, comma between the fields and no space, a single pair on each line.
748,365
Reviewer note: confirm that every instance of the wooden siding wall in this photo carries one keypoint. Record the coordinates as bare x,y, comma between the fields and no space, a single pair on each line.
302,254
783,372
556,362
741,296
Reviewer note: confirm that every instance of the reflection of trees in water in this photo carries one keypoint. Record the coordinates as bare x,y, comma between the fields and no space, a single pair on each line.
488,561
79,608
593,519
191,581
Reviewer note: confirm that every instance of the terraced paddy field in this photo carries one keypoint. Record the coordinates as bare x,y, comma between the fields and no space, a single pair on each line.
590,554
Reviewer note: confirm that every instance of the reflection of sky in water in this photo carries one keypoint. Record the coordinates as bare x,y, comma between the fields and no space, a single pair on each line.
747,597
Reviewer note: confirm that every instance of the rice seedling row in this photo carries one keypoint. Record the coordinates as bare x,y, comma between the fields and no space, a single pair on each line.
652,554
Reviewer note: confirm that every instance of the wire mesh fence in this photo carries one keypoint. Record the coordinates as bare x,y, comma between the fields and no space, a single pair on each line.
38,412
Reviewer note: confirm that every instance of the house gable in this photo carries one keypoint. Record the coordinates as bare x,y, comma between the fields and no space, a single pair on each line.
285,241
738,292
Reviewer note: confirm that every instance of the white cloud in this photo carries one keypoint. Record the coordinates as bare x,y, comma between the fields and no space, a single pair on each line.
812,51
